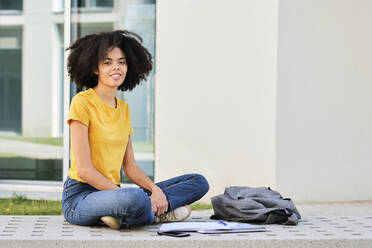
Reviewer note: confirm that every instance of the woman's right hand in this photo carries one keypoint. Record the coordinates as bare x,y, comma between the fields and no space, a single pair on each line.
159,202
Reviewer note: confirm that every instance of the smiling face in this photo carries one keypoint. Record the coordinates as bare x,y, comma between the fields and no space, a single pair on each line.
112,69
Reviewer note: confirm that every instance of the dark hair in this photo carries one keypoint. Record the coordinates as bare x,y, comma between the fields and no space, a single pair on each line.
87,51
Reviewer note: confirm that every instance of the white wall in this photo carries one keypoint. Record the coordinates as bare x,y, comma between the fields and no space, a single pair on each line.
324,100
215,91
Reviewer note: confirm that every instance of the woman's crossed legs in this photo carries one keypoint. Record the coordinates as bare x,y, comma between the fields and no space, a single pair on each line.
85,205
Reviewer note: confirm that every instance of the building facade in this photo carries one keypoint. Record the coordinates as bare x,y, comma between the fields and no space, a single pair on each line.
257,93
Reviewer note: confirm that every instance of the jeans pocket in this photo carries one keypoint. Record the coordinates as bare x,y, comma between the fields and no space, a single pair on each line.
71,187
71,184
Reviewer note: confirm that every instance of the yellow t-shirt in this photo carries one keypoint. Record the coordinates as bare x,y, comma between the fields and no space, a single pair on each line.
108,130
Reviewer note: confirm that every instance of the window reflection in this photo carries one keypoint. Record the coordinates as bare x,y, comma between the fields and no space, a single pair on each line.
95,3
11,5
31,82
11,79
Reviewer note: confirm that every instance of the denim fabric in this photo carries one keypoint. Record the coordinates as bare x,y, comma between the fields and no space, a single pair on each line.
82,204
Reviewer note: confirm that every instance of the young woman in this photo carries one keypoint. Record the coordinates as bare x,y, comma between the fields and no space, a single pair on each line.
101,128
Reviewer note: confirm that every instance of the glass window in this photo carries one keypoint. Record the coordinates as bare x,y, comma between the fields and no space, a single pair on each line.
140,18
10,79
11,5
92,4
31,84
30,108
95,3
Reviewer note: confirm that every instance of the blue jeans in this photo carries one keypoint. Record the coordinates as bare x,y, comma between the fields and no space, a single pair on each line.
83,204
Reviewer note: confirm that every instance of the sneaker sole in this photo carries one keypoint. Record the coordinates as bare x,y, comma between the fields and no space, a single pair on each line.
111,222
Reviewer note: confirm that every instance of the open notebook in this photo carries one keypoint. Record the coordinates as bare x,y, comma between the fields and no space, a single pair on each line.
210,227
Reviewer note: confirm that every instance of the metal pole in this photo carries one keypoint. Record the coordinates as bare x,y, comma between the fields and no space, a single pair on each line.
66,90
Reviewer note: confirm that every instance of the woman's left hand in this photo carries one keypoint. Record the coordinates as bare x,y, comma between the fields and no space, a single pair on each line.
159,201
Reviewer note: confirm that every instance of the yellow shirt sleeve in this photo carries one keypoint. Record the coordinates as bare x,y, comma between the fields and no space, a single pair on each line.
79,110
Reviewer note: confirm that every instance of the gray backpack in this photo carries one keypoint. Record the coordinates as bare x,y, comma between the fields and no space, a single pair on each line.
256,205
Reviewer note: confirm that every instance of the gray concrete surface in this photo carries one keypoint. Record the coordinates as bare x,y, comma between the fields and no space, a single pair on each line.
361,208
312,231
322,225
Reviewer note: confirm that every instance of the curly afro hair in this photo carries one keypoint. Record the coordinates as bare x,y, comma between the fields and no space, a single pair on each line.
87,51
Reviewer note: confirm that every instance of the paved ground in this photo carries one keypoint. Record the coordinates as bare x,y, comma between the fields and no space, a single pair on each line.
53,231
322,225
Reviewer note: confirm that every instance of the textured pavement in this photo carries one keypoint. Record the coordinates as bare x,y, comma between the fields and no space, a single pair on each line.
312,231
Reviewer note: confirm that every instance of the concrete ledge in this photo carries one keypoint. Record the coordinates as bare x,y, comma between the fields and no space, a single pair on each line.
315,231
190,243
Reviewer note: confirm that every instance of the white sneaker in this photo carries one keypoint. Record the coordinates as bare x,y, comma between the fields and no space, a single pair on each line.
179,214
112,222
